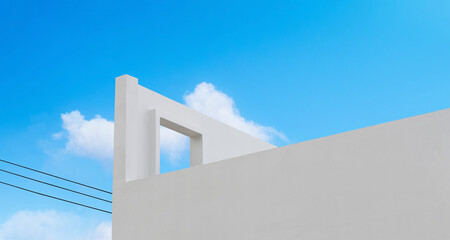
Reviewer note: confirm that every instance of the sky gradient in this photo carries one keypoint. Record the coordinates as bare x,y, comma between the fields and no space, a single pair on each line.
307,68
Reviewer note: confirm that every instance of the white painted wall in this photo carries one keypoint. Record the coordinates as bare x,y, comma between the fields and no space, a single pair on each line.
139,113
390,181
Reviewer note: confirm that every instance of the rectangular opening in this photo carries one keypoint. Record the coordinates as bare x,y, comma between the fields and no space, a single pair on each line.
174,150
180,147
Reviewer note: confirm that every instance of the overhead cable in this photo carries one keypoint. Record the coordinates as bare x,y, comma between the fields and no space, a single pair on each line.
57,198
51,175
56,186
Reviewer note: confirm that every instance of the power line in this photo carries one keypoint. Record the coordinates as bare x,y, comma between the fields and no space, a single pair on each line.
51,175
39,181
60,199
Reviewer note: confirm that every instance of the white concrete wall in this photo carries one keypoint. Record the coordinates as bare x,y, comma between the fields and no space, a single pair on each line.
390,181
139,113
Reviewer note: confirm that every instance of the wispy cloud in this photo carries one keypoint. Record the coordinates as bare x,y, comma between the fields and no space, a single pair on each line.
52,225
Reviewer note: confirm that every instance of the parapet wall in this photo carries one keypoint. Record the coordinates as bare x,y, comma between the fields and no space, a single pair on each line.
390,181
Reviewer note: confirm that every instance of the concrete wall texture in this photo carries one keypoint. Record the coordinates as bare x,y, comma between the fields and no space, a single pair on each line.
389,181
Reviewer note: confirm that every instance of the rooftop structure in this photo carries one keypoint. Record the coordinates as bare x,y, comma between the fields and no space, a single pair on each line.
389,181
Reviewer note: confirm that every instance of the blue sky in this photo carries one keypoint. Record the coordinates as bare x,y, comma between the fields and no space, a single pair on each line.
306,68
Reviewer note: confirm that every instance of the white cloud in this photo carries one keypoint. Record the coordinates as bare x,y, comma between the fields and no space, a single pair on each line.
58,135
102,232
52,225
94,138
90,138
216,104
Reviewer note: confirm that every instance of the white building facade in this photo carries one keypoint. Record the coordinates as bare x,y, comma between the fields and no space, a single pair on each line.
389,181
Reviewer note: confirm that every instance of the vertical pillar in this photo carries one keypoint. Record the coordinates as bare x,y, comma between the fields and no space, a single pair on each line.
125,127
196,150
152,141
136,138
